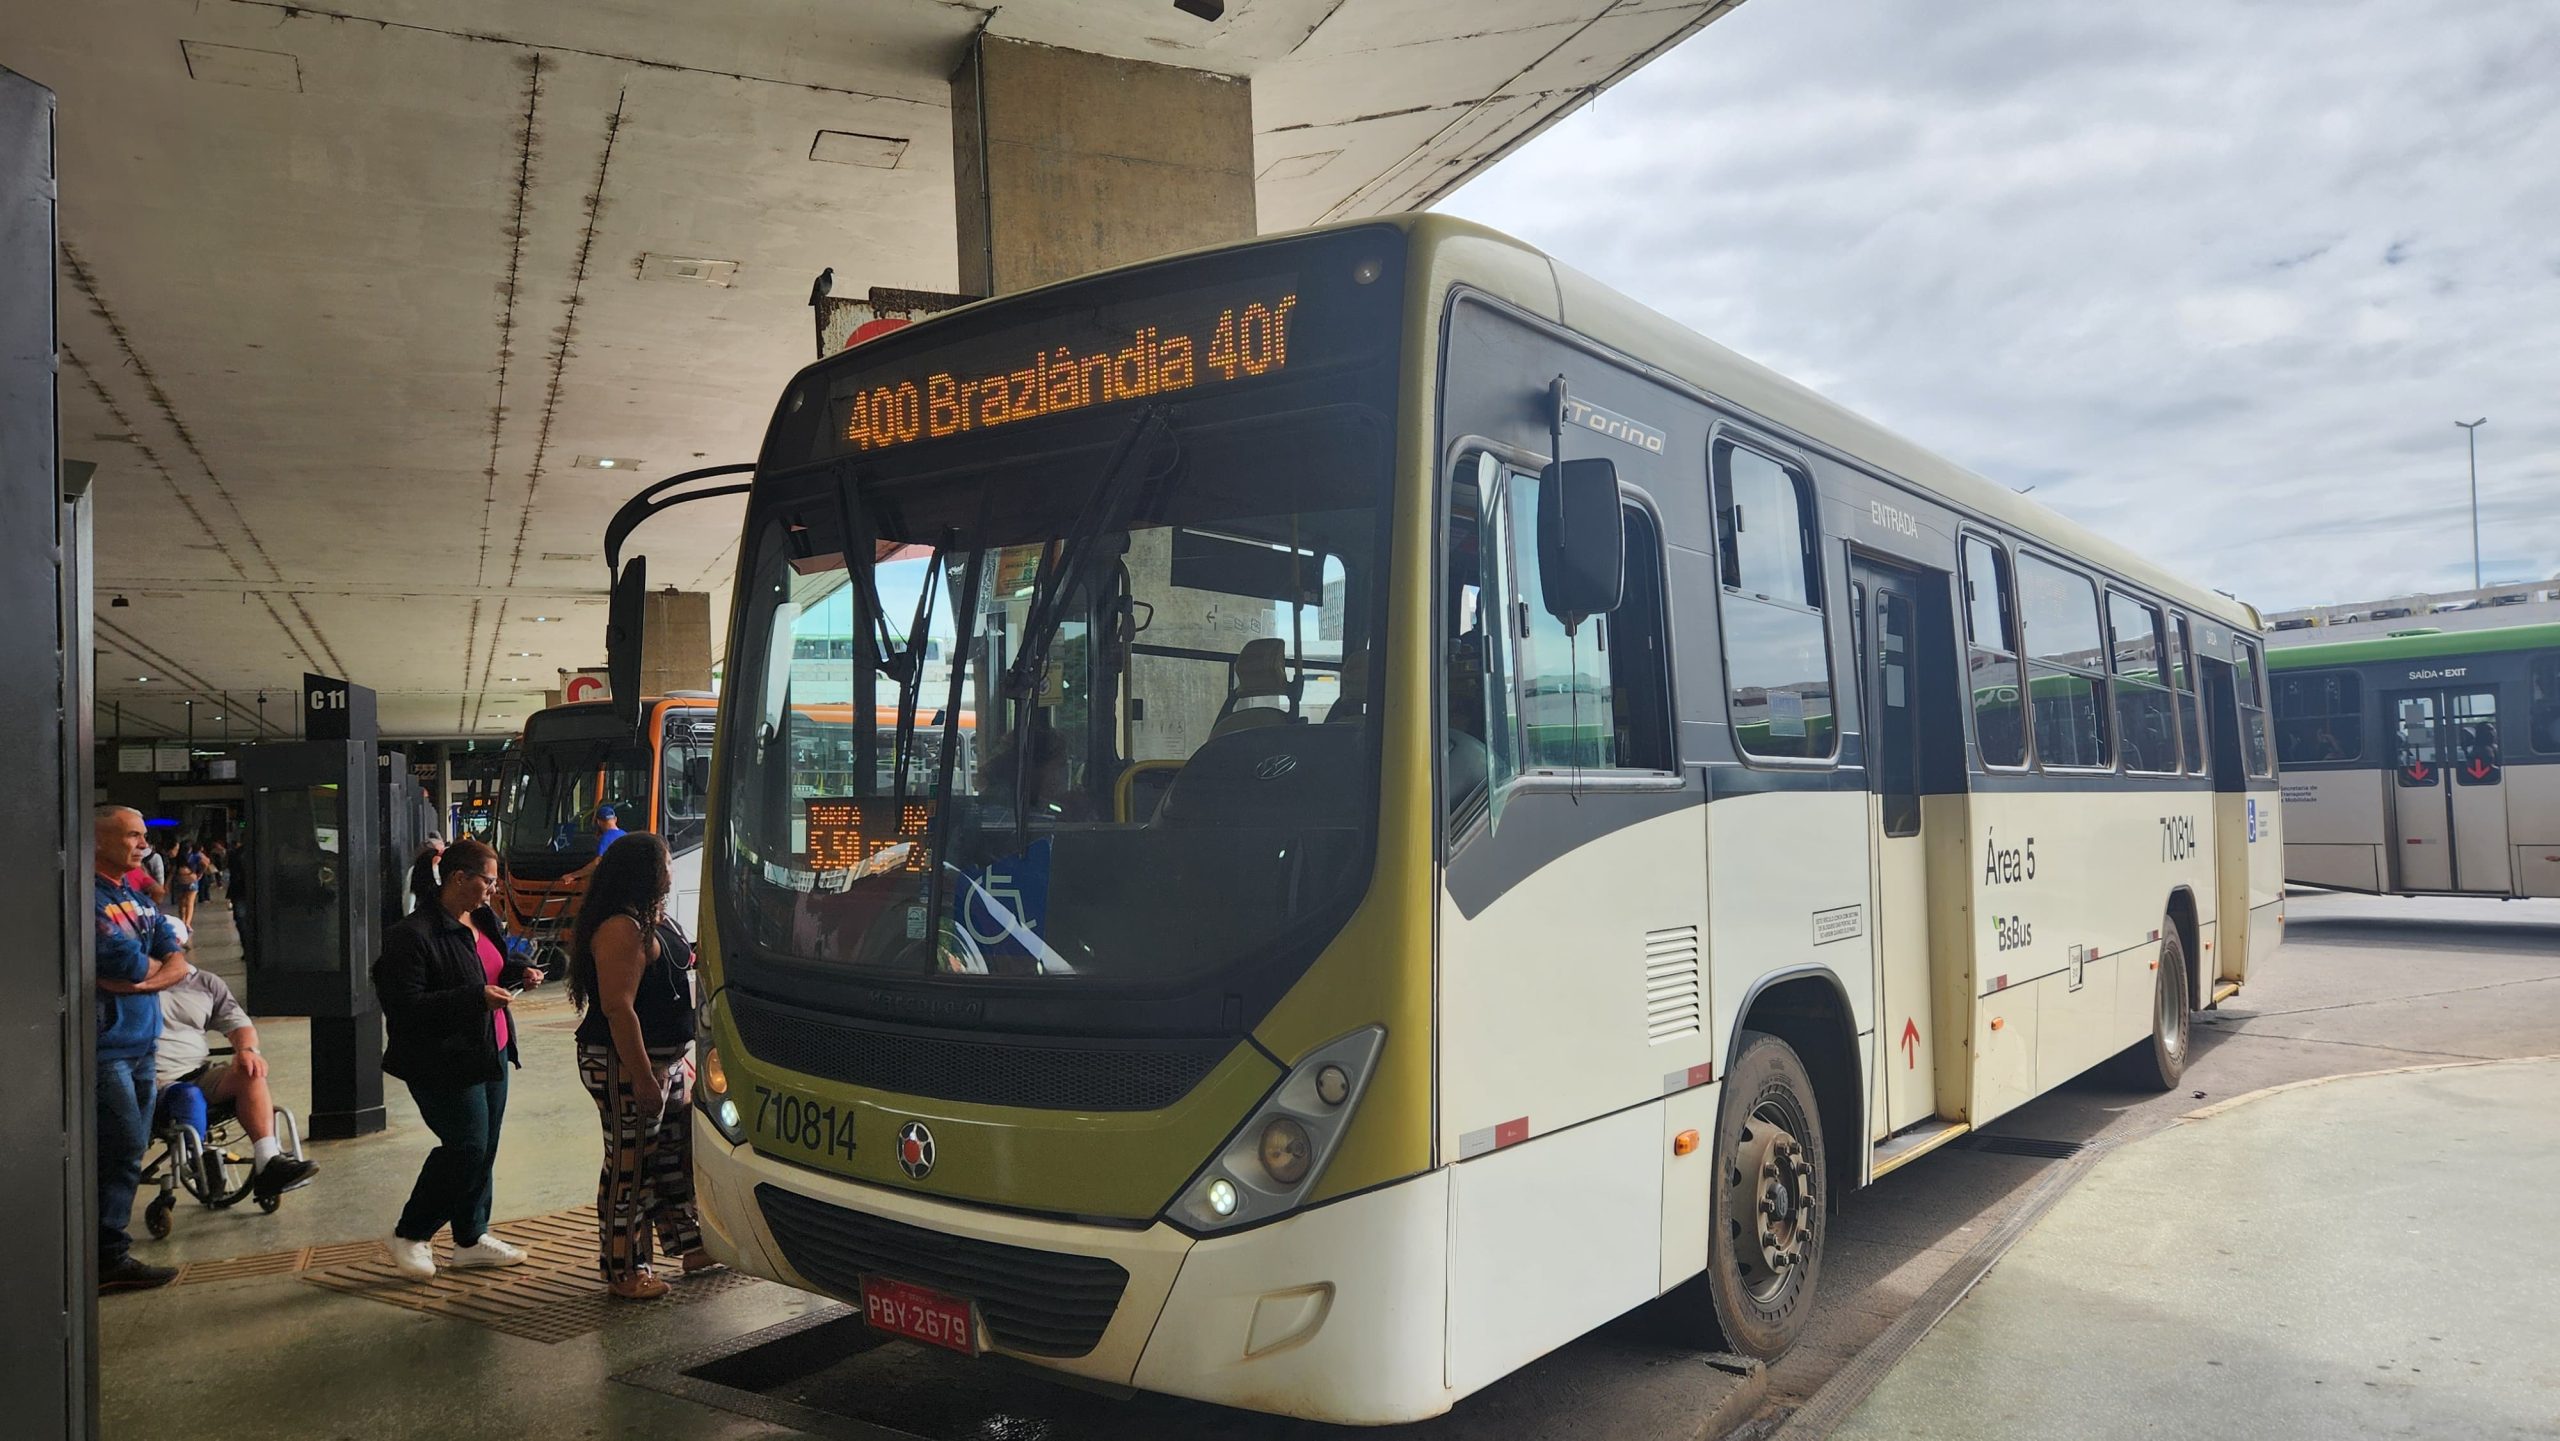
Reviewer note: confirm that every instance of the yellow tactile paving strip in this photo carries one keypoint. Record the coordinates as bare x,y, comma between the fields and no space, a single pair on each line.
554,1296
276,1263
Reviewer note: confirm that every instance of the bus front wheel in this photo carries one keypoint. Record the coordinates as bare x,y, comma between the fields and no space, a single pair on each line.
1765,1244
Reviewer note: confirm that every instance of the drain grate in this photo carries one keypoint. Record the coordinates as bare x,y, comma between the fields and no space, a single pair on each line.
554,1296
2036,1146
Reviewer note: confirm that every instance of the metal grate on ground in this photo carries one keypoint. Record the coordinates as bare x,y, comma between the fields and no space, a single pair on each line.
554,1296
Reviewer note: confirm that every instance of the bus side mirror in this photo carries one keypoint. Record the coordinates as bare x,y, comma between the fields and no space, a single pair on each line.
622,640
1582,539
697,775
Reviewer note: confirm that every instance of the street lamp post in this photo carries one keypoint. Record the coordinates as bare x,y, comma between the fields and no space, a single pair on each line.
2471,433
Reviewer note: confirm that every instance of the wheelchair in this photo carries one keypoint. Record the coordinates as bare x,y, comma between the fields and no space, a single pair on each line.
202,1164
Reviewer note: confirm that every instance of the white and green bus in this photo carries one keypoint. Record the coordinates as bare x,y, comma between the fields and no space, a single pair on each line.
1489,811
2424,762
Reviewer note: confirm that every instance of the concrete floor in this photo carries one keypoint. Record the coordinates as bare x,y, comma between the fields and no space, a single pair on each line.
2363,1258
2362,984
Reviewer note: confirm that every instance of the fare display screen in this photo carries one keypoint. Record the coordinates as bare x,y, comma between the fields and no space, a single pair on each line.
866,835
1150,345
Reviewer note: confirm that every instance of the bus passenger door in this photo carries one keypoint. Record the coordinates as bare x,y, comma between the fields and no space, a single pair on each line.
2421,822
1904,703
2482,861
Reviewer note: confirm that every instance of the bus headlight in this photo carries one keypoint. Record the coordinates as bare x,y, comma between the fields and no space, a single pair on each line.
1276,1157
711,1093
1286,1151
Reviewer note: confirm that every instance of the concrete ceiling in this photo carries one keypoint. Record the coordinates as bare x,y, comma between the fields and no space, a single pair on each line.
353,300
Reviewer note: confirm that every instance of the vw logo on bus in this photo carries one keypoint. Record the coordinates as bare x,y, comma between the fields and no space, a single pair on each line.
1273,768
915,1150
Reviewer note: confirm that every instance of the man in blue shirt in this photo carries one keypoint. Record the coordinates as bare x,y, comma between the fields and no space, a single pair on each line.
138,957
608,829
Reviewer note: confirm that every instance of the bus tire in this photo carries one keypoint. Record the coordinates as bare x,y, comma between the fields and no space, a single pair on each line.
2157,1061
1768,1215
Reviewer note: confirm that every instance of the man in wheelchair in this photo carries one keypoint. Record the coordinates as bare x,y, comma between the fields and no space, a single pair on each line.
190,1012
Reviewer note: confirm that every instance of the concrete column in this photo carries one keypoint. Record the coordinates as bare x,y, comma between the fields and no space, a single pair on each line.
1066,162
675,642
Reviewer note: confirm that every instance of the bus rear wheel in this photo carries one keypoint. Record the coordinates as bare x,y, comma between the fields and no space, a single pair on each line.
2155,1062
1764,1250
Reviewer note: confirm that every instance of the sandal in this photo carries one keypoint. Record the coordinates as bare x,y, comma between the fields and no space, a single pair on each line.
638,1286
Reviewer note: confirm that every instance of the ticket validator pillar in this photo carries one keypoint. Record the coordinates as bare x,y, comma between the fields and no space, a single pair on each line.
317,902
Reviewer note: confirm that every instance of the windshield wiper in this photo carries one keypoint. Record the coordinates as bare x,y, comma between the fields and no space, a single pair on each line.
1061,574
1062,568
907,667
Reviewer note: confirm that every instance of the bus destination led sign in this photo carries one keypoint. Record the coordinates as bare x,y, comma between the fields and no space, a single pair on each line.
1232,338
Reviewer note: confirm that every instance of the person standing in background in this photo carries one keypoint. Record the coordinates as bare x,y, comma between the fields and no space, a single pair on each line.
444,981
423,885
608,830
181,883
138,957
235,889
155,864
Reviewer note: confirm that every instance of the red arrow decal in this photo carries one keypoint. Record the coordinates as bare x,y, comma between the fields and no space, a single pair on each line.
1910,1044
2418,772
2479,768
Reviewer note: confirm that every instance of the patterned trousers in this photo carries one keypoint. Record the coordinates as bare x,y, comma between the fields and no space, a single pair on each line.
647,1183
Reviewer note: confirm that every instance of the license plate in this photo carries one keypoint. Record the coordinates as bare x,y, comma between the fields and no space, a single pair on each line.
902,1308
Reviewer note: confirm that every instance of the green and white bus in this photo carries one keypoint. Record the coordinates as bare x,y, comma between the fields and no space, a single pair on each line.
2424,762
1489,811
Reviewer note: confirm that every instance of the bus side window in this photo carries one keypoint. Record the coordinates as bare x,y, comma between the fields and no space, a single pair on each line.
2250,685
2319,716
1525,697
2544,715
2146,715
2182,674
1991,655
2066,665
1777,651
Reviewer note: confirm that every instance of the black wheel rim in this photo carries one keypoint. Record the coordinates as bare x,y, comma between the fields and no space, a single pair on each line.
1773,1206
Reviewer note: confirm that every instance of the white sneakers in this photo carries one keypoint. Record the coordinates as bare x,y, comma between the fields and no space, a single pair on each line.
487,1251
413,1259
417,1259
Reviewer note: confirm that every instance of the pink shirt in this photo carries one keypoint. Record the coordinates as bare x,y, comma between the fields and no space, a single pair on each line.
493,963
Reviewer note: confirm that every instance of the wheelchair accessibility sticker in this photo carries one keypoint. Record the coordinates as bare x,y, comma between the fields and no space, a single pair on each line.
2253,820
997,915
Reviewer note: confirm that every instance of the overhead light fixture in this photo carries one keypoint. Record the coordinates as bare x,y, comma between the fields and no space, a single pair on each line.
605,462
692,269
118,603
845,147
142,677
1210,10
525,654
232,65
542,619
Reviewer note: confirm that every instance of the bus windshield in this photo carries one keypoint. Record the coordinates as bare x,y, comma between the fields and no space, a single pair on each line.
1180,778
566,771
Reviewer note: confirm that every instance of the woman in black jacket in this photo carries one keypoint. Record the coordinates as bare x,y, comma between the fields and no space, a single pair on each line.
444,981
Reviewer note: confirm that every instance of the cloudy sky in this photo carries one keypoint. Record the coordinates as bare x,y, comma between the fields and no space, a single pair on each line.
2216,279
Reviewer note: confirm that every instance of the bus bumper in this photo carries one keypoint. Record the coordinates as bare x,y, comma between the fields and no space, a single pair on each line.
1335,1314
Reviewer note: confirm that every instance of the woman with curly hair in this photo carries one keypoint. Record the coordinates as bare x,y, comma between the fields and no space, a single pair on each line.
631,973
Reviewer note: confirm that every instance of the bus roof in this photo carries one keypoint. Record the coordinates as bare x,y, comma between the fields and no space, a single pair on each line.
2417,645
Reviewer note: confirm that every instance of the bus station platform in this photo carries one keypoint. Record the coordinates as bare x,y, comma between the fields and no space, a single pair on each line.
2296,1253
2361,1256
